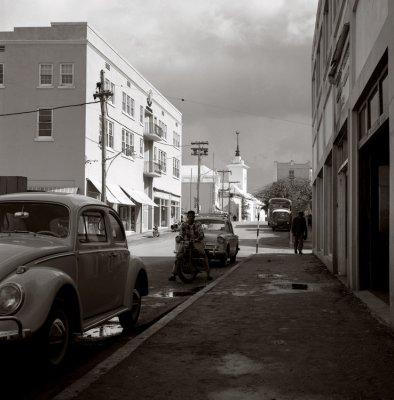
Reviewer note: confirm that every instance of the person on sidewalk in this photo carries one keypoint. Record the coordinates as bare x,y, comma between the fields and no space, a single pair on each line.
299,231
192,230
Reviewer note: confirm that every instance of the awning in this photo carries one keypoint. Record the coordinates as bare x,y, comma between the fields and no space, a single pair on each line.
113,193
119,194
53,189
139,196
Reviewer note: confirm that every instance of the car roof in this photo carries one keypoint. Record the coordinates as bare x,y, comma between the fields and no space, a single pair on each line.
68,199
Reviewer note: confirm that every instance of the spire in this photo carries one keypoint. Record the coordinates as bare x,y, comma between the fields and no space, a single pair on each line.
237,152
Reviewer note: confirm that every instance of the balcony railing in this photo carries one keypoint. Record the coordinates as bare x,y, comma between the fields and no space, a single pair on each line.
153,131
152,168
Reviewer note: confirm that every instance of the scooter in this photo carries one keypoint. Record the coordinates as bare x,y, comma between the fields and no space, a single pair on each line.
175,226
190,264
155,231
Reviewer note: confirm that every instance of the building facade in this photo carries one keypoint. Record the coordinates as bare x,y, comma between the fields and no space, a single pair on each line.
51,125
292,170
352,62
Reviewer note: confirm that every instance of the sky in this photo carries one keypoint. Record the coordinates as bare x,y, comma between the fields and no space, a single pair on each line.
238,66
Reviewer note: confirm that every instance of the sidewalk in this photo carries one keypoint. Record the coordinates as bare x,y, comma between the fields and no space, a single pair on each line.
277,326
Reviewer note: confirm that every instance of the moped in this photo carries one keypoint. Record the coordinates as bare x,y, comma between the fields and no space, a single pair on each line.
155,231
189,261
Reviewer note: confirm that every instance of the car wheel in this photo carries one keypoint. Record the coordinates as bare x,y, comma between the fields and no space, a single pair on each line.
129,318
53,338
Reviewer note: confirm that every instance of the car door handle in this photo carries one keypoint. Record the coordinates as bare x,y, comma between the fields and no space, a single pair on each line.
112,254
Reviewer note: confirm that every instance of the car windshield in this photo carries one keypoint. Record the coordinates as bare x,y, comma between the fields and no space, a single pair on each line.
39,218
212,225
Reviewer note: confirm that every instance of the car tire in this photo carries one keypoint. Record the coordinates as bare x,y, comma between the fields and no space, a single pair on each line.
128,319
233,258
53,339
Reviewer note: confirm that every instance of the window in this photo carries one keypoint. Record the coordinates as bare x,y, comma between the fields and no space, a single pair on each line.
373,109
111,87
46,74
362,122
141,114
291,174
175,167
176,139
66,74
127,143
91,227
1,74
163,161
141,146
128,104
45,122
109,133
384,97
116,229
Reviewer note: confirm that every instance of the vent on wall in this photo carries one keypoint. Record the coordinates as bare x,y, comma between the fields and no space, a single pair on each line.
107,66
2,49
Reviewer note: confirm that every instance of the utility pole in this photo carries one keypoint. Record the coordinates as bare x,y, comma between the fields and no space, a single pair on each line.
223,172
199,152
103,94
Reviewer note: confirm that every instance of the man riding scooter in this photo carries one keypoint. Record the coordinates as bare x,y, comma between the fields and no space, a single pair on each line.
191,230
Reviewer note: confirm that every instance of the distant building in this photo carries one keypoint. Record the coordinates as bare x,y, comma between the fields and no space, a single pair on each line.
353,143
49,75
292,170
210,184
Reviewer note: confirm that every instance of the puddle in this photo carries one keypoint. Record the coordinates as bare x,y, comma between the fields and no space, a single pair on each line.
171,293
111,328
237,364
270,276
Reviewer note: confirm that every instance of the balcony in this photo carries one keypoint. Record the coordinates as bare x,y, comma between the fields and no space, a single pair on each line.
153,132
152,169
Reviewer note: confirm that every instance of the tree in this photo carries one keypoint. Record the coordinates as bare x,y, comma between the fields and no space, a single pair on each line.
298,190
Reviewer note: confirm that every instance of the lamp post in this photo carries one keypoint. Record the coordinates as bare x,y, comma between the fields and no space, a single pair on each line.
258,209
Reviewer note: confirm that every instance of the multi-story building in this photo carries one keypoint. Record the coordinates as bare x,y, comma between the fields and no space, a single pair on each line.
50,123
352,63
292,170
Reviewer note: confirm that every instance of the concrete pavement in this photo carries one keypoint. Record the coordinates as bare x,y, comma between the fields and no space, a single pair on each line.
276,326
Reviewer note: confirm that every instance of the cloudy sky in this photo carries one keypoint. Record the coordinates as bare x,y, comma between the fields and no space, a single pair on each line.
239,66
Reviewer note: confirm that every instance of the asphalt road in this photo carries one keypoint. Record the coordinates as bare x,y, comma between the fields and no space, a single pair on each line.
101,342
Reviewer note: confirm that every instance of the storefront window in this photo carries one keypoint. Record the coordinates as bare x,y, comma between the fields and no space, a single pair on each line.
373,109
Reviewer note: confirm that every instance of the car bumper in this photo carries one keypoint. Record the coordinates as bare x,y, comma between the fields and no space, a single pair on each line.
213,251
13,334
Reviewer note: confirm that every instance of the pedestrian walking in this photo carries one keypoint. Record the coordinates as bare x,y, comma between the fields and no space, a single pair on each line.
299,231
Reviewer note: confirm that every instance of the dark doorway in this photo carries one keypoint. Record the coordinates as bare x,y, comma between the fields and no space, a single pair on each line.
374,214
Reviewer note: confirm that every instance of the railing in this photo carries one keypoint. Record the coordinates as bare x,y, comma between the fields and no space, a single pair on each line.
152,167
153,129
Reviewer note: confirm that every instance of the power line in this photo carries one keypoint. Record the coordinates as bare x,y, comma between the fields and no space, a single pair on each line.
237,111
51,108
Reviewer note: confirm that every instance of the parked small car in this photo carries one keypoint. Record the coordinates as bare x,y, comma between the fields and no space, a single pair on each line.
221,242
64,268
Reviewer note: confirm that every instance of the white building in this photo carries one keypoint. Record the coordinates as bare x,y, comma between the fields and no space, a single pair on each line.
292,170
210,184
50,129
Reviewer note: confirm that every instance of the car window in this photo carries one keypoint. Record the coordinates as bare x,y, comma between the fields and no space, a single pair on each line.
116,229
37,217
212,225
91,227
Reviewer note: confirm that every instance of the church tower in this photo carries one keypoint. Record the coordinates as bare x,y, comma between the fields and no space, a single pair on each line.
239,170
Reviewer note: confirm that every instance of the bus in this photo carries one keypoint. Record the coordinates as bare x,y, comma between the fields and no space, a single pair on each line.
279,213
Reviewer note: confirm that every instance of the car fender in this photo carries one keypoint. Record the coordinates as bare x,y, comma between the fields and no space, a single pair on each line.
137,271
41,286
